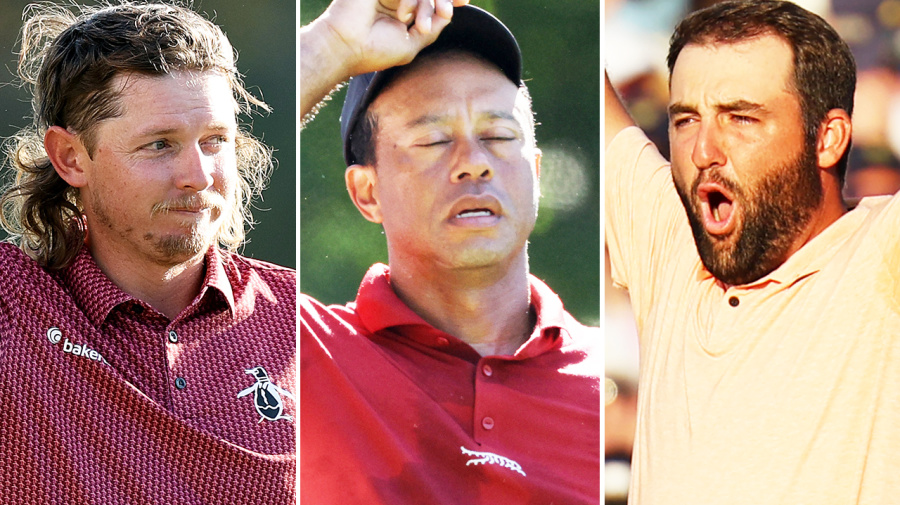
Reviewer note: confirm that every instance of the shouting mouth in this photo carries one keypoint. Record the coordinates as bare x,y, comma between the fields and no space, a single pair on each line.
718,208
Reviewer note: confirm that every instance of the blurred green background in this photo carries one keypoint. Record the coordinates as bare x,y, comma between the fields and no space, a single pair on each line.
561,58
264,34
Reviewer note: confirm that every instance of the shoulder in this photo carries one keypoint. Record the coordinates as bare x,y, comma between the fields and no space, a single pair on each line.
631,147
16,266
316,318
587,339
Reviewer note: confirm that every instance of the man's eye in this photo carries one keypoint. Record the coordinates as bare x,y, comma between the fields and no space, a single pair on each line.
433,142
682,121
157,145
738,118
215,141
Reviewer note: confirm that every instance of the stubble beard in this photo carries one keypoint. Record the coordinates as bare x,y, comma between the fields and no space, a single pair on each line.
171,250
774,212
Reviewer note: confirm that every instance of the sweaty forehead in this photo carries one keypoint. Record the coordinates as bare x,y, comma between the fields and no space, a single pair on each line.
445,84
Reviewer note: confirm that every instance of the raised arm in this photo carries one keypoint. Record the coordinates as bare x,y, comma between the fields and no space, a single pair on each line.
616,116
357,36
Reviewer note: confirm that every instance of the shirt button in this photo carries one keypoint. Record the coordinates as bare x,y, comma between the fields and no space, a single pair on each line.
138,309
180,383
487,423
173,337
442,341
487,370
733,301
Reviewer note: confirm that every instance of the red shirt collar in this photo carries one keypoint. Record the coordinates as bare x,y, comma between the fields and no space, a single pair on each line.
379,308
96,295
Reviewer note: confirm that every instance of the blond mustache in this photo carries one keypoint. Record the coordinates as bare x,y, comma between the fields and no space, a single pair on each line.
195,202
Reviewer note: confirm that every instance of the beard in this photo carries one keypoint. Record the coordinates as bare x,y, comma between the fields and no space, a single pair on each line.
194,238
774,212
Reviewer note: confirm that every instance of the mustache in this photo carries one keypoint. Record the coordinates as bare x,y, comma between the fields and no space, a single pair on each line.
195,202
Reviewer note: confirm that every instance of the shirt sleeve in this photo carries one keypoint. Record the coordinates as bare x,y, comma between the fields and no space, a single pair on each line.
643,212
891,246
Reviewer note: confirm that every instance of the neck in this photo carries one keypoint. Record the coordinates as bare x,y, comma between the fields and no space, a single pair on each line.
487,307
831,209
167,288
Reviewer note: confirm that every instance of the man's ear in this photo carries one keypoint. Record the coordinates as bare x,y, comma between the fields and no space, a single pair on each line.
834,137
67,154
362,182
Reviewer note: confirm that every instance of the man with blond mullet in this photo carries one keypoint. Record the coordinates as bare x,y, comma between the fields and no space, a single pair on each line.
455,376
142,359
769,312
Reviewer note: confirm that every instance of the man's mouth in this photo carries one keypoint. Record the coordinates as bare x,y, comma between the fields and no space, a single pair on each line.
194,204
475,213
718,208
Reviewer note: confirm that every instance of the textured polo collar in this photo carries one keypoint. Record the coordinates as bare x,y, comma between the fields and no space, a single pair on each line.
380,308
96,295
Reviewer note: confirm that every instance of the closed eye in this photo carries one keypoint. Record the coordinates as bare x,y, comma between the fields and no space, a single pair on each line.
679,122
433,143
742,119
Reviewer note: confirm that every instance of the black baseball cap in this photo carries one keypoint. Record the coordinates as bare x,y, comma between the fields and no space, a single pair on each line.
471,29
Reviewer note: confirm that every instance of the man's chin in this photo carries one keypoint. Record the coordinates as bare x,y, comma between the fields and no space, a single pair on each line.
725,269
174,250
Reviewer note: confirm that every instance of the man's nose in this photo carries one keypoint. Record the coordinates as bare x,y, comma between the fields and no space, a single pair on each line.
194,169
707,151
471,162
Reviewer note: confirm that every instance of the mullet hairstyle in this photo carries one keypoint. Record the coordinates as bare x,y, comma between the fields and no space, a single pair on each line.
69,60
824,69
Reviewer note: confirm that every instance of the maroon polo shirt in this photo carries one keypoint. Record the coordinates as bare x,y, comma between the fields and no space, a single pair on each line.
395,411
104,400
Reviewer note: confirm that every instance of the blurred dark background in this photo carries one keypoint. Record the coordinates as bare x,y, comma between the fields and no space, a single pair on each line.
263,32
561,53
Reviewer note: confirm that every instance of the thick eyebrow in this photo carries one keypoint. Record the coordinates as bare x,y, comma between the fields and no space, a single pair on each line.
733,106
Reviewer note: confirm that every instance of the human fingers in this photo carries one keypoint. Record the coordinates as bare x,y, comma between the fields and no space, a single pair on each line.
424,14
460,3
405,10
443,8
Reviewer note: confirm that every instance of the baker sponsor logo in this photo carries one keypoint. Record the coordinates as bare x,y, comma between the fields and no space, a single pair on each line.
489,458
55,336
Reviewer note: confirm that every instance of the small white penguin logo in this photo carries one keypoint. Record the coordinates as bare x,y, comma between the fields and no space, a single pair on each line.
266,396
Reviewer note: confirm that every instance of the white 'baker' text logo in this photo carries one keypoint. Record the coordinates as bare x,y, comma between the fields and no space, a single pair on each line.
55,335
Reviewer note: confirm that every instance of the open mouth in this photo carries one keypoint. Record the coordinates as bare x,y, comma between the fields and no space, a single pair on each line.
470,213
475,211
718,208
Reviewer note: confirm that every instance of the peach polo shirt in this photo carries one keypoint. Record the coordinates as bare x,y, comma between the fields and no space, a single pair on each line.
782,391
